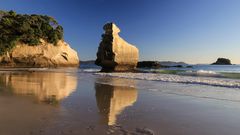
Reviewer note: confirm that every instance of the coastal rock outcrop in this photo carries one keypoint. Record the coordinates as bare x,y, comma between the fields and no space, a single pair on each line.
148,64
114,53
222,61
42,55
159,64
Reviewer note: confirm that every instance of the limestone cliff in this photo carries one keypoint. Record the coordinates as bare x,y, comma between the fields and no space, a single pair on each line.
42,55
114,53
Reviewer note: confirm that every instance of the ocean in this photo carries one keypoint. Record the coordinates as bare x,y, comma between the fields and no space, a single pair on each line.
214,75
224,71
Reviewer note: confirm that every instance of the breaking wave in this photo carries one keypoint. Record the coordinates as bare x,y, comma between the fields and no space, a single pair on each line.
201,73
200,80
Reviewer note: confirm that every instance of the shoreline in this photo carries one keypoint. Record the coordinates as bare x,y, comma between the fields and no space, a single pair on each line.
92,104
205,78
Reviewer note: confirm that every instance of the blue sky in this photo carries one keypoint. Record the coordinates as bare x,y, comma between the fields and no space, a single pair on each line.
193,31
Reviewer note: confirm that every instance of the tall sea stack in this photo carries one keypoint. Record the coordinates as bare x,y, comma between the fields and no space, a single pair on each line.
114,53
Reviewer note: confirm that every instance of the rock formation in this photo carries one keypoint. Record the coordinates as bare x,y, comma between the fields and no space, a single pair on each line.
43,55
222,61
115,54
148,64
157,64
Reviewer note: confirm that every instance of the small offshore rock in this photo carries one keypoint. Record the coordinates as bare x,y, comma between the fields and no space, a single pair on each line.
222,61
148,64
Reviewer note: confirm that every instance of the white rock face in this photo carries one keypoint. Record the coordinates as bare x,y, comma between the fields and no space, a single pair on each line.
43,55
114,53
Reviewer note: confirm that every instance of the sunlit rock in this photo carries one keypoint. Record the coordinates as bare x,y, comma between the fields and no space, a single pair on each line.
42,55
114,53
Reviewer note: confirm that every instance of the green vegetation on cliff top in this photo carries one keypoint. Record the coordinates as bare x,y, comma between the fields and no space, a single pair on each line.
28,29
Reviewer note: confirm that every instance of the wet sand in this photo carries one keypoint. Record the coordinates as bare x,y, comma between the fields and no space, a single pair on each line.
73,103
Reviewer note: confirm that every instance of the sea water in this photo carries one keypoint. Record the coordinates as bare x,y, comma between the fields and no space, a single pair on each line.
219,71
213,75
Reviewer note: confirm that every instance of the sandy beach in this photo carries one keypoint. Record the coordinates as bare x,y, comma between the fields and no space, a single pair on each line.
73,103
119,67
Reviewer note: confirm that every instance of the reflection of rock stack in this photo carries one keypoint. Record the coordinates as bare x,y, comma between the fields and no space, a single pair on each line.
112,100
115,54
46,86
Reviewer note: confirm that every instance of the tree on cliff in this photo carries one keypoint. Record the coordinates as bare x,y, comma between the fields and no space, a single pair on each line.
28,29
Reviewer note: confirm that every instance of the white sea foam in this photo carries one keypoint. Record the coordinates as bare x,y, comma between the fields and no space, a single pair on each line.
91,70
201,73
206,72
221,82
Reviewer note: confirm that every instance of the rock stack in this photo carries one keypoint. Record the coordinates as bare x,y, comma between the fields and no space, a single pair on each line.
222,61
114,53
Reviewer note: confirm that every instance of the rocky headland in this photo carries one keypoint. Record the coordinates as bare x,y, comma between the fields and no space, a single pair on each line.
42,55
33,41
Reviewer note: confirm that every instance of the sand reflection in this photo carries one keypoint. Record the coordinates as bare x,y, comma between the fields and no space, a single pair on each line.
113,95
48,87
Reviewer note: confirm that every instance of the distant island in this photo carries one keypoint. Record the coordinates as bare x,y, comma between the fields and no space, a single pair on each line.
33,41
222,61
161,64
150,64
